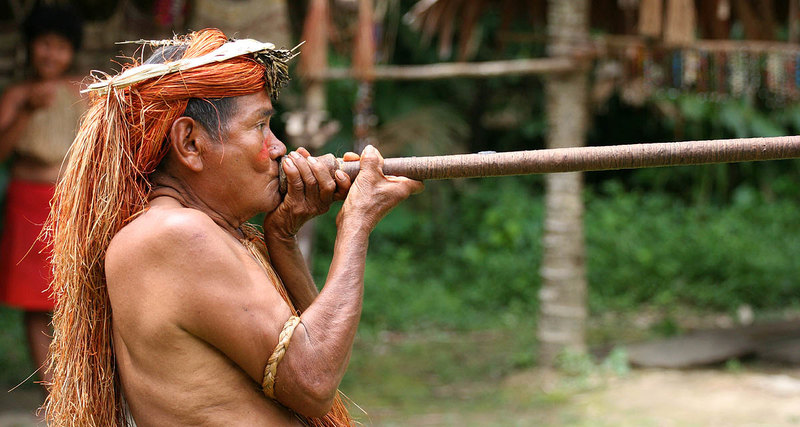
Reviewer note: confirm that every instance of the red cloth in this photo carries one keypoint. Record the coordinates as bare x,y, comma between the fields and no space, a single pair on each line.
25,271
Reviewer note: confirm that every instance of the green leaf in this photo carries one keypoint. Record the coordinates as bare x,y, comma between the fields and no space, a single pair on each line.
694,108
734,118
761,125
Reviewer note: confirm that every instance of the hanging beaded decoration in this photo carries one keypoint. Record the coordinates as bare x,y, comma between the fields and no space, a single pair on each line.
702,75
677,69
737,73
691,67
722,72
716,72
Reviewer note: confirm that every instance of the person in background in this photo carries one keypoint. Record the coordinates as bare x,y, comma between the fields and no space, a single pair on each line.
38,120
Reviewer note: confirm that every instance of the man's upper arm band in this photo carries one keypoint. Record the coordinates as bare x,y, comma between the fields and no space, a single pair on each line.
270,370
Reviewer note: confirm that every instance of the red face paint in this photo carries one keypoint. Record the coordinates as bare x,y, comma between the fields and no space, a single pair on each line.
263,155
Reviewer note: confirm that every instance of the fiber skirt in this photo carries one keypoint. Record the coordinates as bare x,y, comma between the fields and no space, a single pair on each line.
25,271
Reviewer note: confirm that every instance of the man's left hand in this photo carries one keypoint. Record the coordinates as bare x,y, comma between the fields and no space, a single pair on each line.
310,192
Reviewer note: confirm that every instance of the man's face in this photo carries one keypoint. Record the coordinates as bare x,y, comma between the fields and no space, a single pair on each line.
244,167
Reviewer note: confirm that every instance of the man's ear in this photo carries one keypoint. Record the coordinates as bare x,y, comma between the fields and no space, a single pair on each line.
188,141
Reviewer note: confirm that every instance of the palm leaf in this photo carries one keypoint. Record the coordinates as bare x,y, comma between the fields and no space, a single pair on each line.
441,18
425,131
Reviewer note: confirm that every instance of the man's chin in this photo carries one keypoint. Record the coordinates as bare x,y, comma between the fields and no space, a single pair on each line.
273,188
271,209
273,200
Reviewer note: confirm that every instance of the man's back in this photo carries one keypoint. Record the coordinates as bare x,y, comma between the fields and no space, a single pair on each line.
160,272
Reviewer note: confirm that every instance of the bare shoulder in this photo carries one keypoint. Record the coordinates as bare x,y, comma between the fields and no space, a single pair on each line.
162,234
173,263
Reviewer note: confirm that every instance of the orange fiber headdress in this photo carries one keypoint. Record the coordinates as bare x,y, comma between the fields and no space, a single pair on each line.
120,142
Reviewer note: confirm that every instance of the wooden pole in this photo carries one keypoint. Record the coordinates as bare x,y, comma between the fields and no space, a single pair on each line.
751,46
532,66
455,69
794,21
576,159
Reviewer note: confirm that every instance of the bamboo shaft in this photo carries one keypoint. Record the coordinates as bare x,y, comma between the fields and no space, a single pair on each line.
581,159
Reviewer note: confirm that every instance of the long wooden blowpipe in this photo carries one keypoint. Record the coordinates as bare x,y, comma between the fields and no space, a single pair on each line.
579,158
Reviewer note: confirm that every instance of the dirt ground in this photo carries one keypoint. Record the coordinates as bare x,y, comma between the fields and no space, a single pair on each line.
703,398
708,397
17,407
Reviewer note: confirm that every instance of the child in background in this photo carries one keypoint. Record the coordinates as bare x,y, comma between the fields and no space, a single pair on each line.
38,121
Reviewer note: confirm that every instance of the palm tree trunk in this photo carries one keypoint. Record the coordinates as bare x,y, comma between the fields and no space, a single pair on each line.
562,297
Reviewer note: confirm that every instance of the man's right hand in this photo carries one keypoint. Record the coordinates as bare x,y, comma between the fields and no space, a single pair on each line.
310,192
374,194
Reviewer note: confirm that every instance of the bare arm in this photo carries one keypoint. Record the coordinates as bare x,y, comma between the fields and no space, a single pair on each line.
311,191
289,263
320,348
14,117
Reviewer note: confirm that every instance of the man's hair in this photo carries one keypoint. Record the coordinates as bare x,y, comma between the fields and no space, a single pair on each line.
58,18
212,113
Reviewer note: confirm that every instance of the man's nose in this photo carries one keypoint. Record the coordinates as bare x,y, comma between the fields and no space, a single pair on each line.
276,148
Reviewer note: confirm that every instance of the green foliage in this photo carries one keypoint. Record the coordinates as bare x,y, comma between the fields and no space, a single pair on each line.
617,362
476,262
575,363
579,371
654,248
579,364
14,363
695,117
666,327
734,366
465,269
412,369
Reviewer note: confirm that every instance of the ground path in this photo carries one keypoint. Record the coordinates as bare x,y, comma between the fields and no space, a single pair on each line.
735,395
709,397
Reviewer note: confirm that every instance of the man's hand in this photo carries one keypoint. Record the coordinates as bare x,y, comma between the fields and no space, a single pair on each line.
310,192
374,194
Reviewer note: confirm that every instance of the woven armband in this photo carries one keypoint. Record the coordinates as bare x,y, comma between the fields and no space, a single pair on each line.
272,364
